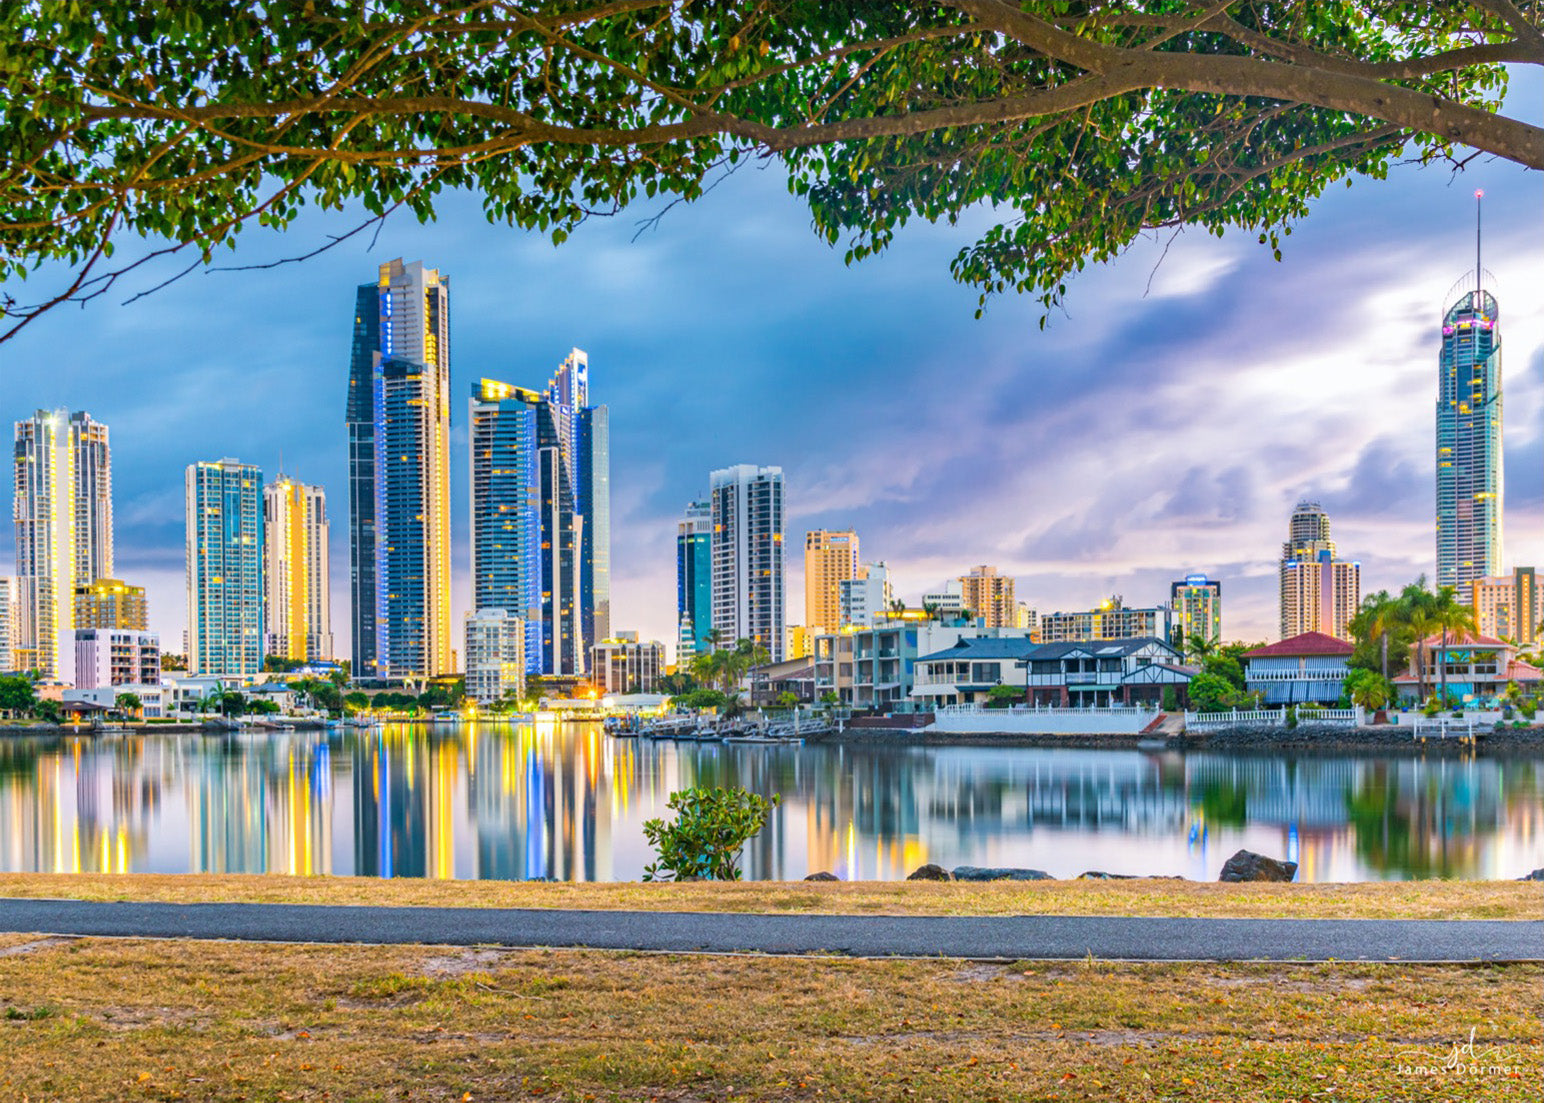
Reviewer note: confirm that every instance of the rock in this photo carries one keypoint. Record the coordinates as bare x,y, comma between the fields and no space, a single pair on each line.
1536,875
929,872
822,876
1100,875
981,873
1246,865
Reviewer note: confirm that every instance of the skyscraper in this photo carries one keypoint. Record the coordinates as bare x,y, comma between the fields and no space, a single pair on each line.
694,580
747,504
1195,604
830,558
1469,468
225,567
399,473
541,513
63,509
1319,592
297,591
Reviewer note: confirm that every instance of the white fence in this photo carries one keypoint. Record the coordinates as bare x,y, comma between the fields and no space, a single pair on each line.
1049,710
1042,720
1275,718
1233,718
1442,727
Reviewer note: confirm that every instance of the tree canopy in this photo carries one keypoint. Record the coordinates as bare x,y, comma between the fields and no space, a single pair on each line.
1082,123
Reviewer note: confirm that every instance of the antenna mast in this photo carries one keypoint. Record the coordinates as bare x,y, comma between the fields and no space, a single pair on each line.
1479,197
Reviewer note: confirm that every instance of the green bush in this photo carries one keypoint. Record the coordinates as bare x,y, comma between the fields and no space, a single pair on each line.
712,825
1430,708
1528,707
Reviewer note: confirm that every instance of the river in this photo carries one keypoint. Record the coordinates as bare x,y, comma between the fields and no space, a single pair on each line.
568,802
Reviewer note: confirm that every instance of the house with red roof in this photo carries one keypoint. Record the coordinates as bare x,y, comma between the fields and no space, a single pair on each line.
1307,668
1477,668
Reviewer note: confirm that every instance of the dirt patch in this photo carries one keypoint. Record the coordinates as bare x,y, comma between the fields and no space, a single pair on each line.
467,961
34,946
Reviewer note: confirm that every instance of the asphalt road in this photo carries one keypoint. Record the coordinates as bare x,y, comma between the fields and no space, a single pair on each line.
1007,938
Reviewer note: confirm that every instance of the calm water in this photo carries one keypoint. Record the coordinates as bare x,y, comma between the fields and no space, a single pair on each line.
498,801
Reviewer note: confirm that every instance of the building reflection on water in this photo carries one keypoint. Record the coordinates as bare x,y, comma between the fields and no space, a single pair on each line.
568,803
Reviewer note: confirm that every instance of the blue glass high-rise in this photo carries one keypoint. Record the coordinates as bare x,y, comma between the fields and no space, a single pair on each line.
541,509
1469,473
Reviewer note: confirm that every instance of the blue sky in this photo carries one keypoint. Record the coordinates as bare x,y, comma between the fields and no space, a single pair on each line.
1145,434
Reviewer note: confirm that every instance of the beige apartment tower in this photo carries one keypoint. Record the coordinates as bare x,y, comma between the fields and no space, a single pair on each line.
1508,606
830,558
63,509
111,603
989,597
1319,591
297,592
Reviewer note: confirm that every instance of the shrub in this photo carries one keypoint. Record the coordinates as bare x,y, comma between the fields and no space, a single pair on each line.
712,825
1170,699
1430,708
1528,707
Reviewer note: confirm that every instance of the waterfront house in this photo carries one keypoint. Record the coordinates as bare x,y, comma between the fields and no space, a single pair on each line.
875,667
1477,669
1309,667
1084,673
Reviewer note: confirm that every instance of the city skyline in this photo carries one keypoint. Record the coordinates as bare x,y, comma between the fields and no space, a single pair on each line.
1212,512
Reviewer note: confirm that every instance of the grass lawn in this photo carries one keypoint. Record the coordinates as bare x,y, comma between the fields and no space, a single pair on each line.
85,1019
1371,900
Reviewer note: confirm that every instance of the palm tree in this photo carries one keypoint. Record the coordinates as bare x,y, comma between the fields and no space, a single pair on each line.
1449,615
1201,647
1417,607
932,610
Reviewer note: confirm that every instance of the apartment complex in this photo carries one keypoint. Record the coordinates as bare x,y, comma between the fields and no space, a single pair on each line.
625,665
1112,620
111,603
63,510
297,590
1319,591
1509,606
1195,611
989,597
748,587
224,567
830,559
115,657
398,416
494,642
865,599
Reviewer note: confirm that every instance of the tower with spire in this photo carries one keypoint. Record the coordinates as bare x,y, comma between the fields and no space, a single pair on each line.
1469,441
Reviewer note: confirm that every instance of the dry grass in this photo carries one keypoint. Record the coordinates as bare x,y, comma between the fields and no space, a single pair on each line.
1370,900
115,1020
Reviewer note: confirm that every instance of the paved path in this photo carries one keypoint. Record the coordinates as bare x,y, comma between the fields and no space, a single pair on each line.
997,937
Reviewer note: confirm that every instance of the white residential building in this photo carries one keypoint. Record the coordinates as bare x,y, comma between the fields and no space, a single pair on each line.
747,592
866,599
495,655
115,657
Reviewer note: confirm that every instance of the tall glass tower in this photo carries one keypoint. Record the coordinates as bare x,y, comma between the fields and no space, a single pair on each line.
694,580
399,474
541,513
63,509
1469,476
225,568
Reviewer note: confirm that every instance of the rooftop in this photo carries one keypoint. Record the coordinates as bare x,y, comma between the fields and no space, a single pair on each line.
1306,645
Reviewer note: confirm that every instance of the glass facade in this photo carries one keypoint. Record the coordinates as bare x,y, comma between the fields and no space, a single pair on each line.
694,580
225,568
1469,442
541,514
747,504
399,474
